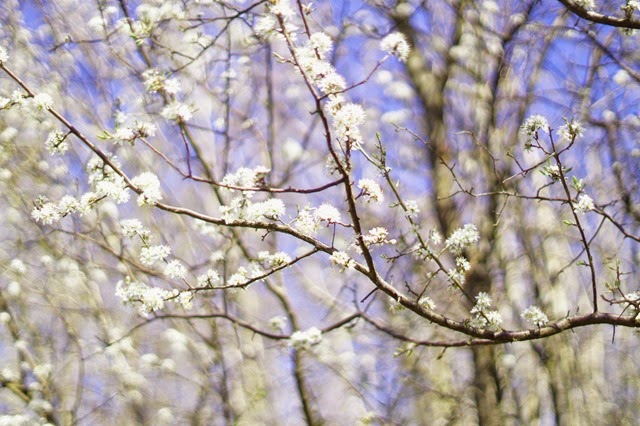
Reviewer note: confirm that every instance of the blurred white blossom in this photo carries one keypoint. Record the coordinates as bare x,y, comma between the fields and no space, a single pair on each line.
396,44
300,340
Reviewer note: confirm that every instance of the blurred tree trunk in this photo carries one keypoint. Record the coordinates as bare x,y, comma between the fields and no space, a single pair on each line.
430,88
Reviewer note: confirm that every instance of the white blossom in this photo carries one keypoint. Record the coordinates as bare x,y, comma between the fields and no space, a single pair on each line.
115,188
145,129
396,44
634,4
42,101
435,237
456,276
306,223
56,143
482,317
153,80
586,4
240,278
265,27
274,260
462,263
175,269
532,125
150,186
47,213
343,260
17,266
462,238
185,299
584,204
300,340
146,299
123,134
412,209
245,177
377,236
4,55
132,227
427,303
177,111
172,86
67,205
371,190
87,202
272,209
322,43
346,121
149,255
327,212
278,323
571,130
535,316
208,279
483,302
332,82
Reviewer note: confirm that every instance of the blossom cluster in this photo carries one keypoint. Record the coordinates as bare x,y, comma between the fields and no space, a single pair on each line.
151,254
241,208
531,128
175,269
177,111
300,340
156,81
269,25
4,55
50,212
377,236
535,316
56,143
245,177
128,134
481,314
571,130
553,171
343,260
371,191
427,303
210,278
274,260
458,274
278,323
584,204
462,238
306,222
150,186
328,213
148,299
586,4
310,60
396,44
133,227
105,181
